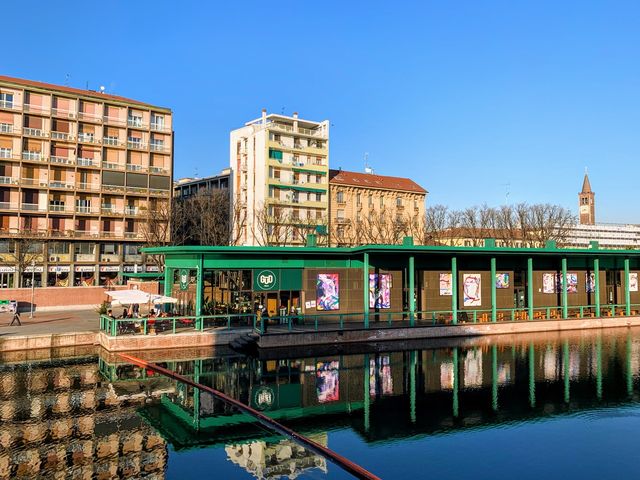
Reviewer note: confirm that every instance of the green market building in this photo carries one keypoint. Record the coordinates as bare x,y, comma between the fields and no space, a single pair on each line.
404,282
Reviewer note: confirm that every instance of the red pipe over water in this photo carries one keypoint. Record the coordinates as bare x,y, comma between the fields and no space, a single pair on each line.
344,463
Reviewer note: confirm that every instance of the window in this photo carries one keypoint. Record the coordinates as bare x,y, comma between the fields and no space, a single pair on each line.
84,248
108,249
340,214
58,248
132,249
340,197
318,197
157,121
7,246
275,154
398,201
6,100
358,199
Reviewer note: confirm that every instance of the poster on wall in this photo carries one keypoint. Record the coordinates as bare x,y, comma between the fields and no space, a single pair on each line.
471,289
445,284
328,291
549,283
572,282
328,381
380,290
590,282
502,280
633,282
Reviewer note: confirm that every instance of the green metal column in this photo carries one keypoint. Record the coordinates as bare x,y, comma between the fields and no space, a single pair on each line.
628,365
168,281
596,272
532,376
454,290
367,398
565,362
412,287
412,385
455,382
365,289
530,287
494,378
599,367
494,315
627,294
199,292
565,307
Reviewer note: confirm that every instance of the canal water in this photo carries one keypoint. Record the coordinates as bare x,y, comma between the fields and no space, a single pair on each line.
530,406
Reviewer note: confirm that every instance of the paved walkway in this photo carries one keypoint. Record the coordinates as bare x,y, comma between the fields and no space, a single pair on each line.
51,322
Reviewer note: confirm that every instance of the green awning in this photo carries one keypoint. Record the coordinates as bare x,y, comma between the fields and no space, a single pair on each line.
304,189
306,170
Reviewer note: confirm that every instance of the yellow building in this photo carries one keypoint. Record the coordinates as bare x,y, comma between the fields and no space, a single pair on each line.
80,172
365,208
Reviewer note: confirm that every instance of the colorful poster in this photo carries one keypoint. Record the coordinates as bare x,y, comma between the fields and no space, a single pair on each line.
549,283
328,381
380,290
502,280
590,282
445,284
572,282
328,291
633,282
380,380
471,288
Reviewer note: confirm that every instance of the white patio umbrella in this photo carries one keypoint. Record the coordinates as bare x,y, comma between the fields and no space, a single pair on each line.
128,297
162,299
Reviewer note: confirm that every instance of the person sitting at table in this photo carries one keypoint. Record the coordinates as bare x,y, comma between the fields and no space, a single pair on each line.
125,313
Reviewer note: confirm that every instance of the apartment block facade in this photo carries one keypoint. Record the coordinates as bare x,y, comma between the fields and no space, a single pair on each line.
365,208
280,168
81,173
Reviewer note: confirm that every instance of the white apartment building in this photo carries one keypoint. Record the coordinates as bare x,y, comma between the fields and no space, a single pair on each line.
607,235
279,170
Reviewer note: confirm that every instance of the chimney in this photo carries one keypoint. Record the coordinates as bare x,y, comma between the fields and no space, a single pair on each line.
295,121
264,116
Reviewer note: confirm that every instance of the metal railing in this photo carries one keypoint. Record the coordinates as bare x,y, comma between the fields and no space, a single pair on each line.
34,132
6,128
8,180
112,166
112,141
174,324
138,145
86,137
136,122
6,153
36,156
61,136
87,162
65,160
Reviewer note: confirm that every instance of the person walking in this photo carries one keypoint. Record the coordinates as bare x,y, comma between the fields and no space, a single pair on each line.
16,316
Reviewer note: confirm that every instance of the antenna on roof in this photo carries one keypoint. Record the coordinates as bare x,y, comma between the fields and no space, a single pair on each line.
367,168
101,88
507,192
66,79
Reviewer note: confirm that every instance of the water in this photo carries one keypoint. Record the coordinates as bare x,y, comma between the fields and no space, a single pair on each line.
535,406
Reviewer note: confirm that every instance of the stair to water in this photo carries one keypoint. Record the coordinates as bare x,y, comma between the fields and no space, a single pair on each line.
246,342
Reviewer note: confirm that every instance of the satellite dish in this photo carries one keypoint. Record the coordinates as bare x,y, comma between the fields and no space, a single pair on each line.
102,88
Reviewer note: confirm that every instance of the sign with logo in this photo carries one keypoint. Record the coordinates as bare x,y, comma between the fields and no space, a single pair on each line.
153,268
184,279
59,268
85,268
36,269
7,269
265,280
264,398
109,268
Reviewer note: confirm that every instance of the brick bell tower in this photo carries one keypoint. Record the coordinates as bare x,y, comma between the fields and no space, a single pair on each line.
587,203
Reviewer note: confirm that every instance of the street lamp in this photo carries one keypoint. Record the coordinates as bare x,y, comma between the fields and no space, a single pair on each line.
33,285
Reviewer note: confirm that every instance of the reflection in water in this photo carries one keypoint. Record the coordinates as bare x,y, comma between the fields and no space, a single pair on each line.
65,418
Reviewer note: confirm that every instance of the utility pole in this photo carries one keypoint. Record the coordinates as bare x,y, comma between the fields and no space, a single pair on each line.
33,285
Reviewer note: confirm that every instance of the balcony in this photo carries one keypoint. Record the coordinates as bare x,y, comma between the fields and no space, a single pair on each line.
131,210
8,206
87,162
156,191
6,153
8,181
319,133
113,188
131,235
39,109
342,221
86,138
7,128
136,145
88,186
109,257
85,209
159,127
115,121
158,147
135,168
110,209
34,132
113,141
61,136
62,160
8,104
91,117
84,257
132,258
59,208
33,156
29,181
141,190
158,170
60,112
32,207
112,166
136,122
60,184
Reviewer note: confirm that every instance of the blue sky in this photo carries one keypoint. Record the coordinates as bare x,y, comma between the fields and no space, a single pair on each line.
464,97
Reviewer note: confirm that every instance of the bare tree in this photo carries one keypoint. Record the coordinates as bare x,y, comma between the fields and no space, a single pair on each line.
28,249
156,229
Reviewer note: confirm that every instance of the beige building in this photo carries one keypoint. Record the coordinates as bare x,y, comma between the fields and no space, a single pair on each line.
279,167
365,208
79,173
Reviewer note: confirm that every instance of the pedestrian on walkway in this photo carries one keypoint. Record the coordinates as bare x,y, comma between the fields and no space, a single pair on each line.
16,317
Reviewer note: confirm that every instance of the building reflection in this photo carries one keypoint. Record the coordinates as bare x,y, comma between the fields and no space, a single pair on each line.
63,420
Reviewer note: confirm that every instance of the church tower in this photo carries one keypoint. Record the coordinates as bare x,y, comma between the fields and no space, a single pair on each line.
587,203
